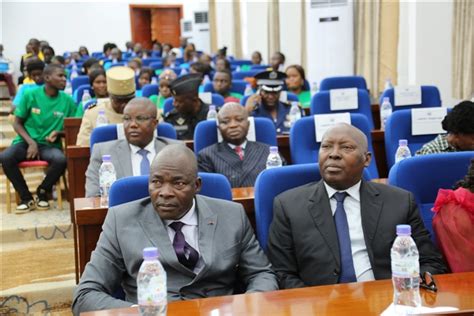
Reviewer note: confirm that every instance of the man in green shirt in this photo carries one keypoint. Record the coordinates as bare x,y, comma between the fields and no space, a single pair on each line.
39,121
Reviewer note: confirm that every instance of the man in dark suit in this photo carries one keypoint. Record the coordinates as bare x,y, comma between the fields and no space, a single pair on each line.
239,159
133,155
341,229
206,245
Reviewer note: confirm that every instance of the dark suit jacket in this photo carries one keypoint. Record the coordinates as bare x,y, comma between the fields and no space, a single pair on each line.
303,245
227,246
220,158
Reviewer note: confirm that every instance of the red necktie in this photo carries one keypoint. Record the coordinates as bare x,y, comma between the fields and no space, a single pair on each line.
239,151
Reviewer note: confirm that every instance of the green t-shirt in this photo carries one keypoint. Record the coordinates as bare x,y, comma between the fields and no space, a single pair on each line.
305,99
236,95
42,114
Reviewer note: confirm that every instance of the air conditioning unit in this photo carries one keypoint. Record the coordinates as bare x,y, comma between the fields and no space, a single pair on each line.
197,30
329,38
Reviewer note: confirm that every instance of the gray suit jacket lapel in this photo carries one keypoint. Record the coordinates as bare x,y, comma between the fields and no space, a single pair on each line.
157,233
320,210
370,207
124,159
207,220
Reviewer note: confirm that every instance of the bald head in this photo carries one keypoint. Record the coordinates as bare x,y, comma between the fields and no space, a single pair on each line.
233,123
179,156
355,133
142,103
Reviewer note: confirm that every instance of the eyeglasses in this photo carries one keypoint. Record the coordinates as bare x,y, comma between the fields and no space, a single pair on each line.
428,282
139,119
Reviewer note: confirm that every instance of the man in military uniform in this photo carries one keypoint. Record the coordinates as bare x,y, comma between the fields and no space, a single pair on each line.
266,102
121,88
188,108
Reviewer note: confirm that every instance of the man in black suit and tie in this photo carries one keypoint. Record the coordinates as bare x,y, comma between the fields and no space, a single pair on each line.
239,159
341,229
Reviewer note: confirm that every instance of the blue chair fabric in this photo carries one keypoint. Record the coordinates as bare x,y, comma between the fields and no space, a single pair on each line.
147,61
238,86
343,82
156,65
240,62
80,92
79,81
304,148
240,75
217,100
430,97
150,89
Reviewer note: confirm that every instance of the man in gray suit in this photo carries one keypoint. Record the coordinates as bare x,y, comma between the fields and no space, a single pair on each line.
220,248
133,155
341,229
239,159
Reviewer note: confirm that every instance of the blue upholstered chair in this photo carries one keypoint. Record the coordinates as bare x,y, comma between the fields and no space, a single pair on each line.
304,148
321,104
343,82
238,86
109,132
80,92
147,61
217,100
240,75
425,175
205,133
150,89
240,62
260,67
430,97
398,127
156,65
79,81
213,185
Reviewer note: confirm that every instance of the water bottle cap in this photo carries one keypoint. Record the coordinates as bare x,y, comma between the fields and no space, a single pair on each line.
402,142
403,230
106,158
150,253
386,99
273,149
212,107
101,111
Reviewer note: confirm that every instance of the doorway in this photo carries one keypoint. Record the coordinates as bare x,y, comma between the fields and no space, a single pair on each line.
155,23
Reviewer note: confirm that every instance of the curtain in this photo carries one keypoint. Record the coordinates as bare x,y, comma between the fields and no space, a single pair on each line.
237,29
273,27
388,44
463,49
213,25
303,35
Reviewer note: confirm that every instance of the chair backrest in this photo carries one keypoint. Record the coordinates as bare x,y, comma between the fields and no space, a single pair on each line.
270,183
150,89
205,133
156,65
236,75
79,81
290,97
217,100
260,67
321,104
430,97
343,82
88,104
147,61
425,175
80,92
238,86
109,132
398,126
213,185
304,148
240,62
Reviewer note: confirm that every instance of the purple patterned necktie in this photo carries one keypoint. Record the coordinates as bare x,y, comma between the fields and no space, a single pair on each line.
181,247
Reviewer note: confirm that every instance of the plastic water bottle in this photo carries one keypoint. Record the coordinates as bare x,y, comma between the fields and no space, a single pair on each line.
405,272
154,80
403,152
206,79
101,119
74,73
295,113
86,96
68,89
107,176
273,160
388,84
151,285
314,87
248,89
183,72
385,112
212,113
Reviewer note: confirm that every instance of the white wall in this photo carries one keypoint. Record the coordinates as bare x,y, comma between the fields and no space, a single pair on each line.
290,31
225,26
257,28
425,56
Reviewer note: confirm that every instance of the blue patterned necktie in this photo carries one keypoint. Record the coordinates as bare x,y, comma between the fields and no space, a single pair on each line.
145,163
181,246
342,227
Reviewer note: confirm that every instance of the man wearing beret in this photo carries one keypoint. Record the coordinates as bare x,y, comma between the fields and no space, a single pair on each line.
188,108
121,88
266,102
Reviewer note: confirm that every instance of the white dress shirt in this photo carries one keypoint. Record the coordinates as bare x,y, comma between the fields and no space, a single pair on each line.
137,158
191,233
360,256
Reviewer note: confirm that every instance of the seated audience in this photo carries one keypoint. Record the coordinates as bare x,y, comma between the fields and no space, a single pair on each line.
115,57
188,108
89,64
295,79
133,155
129,46
222,83
164,93
239,159
135,64
256,58
144,78
277,62
98,82
83,52
32,50
59,60
222,64
48,54
156,49
39,124
7,72
266,103
459,123
34,69
221,255
121,89
107,49
312,241
166,50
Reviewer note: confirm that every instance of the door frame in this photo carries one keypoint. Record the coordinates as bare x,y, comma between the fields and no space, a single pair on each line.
150,7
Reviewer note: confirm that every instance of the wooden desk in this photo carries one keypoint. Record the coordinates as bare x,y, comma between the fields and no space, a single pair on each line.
89,217
77,161
378,143
364,298
71,129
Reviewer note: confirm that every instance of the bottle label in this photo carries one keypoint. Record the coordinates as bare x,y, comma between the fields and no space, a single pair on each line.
405,268
154,293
